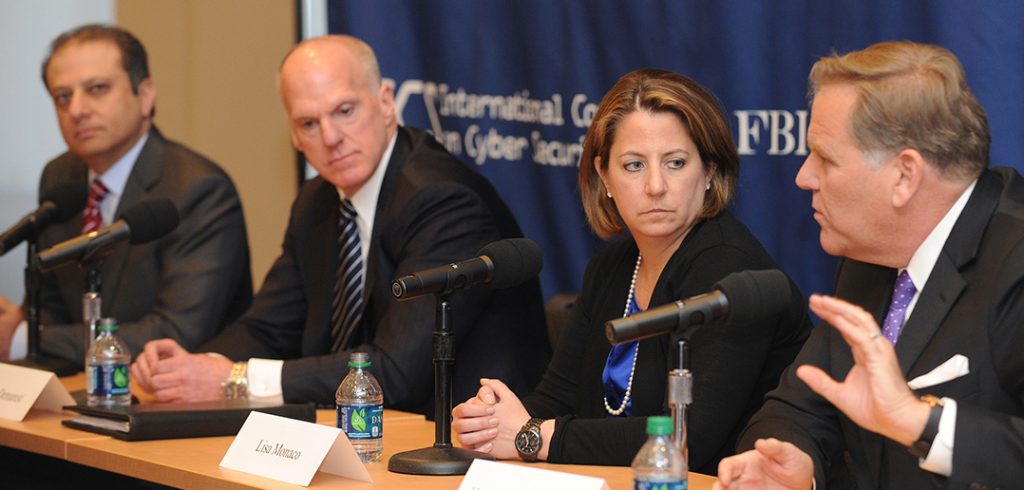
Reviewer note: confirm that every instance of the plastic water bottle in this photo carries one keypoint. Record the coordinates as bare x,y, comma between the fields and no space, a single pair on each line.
659,465
107,378
361,409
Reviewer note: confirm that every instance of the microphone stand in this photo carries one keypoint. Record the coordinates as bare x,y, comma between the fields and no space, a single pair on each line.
33,286
91,311
442,458
680,394
32,289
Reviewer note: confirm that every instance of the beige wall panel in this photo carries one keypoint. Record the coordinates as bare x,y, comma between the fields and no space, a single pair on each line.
214,63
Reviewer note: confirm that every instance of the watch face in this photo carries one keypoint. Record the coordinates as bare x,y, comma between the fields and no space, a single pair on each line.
528,441
233,390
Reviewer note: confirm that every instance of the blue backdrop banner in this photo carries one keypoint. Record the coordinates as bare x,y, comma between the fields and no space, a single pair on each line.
511,86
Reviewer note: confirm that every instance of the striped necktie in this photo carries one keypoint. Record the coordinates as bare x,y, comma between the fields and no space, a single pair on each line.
347,302
92,220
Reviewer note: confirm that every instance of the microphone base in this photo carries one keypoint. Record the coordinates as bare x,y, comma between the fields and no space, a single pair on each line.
436,460
60,367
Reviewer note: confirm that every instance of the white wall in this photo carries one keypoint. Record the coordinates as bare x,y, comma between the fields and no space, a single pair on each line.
29,136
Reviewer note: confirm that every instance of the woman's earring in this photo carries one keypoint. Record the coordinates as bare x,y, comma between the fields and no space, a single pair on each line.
708,186
609,194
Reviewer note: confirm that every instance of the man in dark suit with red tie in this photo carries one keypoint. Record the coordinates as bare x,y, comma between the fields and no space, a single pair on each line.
915,379
186,285
389,201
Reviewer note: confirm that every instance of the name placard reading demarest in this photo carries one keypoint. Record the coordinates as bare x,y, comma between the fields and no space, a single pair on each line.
23,388
291,450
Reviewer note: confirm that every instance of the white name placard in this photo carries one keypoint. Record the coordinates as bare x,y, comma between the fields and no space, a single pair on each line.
23,388
291,450
491,475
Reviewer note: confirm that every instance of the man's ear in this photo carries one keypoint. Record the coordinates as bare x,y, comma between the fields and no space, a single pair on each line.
909,168
387,103
147,96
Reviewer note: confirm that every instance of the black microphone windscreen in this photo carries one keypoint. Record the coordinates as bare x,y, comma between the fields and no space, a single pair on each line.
69,198
755,294
515,261
150,219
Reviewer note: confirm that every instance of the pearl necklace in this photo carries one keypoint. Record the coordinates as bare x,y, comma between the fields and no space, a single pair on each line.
632,370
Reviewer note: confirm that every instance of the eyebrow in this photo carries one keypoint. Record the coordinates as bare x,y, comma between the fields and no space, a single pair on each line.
626,153
86,82
815,146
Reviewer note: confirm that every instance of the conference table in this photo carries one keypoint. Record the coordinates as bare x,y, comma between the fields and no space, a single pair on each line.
194,463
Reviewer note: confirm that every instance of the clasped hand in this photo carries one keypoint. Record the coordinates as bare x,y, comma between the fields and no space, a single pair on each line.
489,421
171,374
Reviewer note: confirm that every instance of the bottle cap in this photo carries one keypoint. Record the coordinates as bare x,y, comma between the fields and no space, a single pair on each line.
108,325
659,425
359,360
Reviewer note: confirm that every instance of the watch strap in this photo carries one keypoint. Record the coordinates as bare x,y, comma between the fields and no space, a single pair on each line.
923,445
237,384
531,433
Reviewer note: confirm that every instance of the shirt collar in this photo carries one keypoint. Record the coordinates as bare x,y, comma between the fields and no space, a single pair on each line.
365,199
923,261
116,177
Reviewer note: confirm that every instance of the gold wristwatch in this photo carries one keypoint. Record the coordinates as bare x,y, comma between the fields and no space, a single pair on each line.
237,384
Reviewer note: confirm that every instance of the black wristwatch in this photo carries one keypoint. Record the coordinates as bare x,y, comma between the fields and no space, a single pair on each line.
529,441
923,445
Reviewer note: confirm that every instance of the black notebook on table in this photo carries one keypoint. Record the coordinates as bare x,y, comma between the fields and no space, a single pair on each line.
151,421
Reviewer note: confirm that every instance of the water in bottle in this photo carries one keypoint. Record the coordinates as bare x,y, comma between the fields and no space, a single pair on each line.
107,379
361,409
659,465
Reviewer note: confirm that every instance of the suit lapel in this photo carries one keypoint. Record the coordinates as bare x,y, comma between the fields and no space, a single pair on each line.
145,174
940,293
70,279
945,284
322,241
403,146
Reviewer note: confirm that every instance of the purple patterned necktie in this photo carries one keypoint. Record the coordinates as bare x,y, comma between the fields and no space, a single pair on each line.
902,292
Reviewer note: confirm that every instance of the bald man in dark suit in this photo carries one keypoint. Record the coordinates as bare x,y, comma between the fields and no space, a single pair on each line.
415,207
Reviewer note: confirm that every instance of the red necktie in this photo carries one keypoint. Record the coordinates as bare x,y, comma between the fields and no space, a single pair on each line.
92,220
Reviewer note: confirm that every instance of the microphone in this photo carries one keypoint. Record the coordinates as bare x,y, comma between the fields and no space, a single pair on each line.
56,205
144,222
502,264
739,298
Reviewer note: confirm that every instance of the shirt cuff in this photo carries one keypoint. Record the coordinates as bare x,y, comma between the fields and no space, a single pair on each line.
940,457
19,342
264,378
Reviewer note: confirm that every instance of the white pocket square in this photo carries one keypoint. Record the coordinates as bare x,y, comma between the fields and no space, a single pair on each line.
953,368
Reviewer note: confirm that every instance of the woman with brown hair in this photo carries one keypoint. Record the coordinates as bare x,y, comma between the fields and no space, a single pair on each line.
658,166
